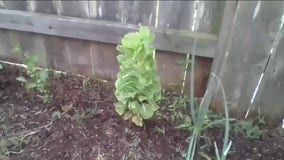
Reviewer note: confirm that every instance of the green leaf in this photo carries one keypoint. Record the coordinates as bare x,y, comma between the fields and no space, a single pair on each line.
22,79
137,120
146,111
154,106
134,107
142,98
46,98
120,108
3,148
1,66
31,62
130,40
43,75
18,49
127,115
31,85
146,34
56,114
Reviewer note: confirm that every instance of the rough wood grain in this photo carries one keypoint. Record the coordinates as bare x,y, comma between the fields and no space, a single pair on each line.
21,5
104,31
73,8
78,53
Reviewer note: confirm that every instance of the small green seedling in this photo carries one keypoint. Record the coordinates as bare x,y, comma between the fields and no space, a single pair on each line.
137,86
248,129
37,79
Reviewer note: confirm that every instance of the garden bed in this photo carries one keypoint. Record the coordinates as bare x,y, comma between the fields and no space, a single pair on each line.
92,130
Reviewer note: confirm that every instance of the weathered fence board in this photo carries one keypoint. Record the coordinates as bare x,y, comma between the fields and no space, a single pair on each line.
129,12
57,57
74,8
108,10
48,7
204,20
79,56
104,31
238,76
33,45
105,65
165,14
99,59
168,14
84,34
6,50
21,5
243,55
2,5
270,96
147,13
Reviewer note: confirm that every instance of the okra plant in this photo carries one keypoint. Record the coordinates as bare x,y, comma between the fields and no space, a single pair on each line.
137,87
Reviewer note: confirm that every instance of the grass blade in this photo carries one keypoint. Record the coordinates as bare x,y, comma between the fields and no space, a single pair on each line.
227,123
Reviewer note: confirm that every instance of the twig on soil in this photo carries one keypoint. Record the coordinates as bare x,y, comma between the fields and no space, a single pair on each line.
20,124
28,133
22,135
41,112
13,152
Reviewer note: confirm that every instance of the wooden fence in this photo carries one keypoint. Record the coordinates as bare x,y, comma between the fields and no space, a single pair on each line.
81,36
249,59
243,37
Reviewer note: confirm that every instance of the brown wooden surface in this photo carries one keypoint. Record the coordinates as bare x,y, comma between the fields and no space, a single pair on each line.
57,56
98,59
180,41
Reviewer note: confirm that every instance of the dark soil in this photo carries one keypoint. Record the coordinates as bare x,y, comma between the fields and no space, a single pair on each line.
92,130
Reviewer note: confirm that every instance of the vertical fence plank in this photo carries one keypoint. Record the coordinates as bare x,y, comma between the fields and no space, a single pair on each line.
220,52
269,98
74,8
30,43
243,58
48,7
16,5
147,12
5,52
129,11
107,10
104,61
121,11
40,44
33,44
57,58
93,12
205,15
78,53
238,76
217,17
7,44
2,5
168,14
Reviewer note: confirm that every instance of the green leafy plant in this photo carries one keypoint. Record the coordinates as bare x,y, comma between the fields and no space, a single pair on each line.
178,109
248,129
137,87
37,79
